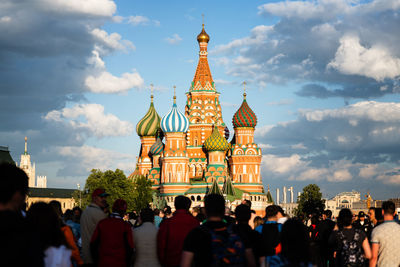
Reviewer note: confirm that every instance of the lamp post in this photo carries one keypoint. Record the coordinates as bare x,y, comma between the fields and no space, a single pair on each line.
80,195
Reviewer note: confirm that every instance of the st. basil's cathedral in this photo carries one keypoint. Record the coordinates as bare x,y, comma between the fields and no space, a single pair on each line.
196,158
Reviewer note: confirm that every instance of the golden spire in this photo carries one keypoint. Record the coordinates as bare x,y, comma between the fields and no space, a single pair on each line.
174,94
244,89
203,36
151,90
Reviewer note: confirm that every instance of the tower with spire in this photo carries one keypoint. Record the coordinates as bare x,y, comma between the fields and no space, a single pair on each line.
26,165
147,128
196,158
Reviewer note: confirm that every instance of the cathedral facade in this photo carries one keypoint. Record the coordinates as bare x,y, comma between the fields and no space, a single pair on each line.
188,153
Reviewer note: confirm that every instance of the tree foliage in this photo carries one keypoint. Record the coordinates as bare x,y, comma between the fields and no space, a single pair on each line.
118,186
310,200
142,193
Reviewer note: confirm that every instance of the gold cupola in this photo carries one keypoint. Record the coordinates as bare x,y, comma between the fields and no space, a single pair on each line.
203,36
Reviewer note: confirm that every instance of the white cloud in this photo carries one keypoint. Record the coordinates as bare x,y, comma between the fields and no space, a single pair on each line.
96,61
81,160
5,19
282,102
138,20
299,146
104,8
370,110
174,39
375,62
340,176
368,171
282,165
91,118
391,176
305,9
107,83
111,41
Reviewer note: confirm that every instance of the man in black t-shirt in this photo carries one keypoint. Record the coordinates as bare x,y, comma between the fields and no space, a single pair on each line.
209,244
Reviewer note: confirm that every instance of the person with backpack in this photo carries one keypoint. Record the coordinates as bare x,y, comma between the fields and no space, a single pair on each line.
214,243
351,245
270,231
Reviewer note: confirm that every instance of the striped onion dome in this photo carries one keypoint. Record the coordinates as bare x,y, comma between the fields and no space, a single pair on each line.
157,148
149,125
216,142
174,121
226,131
244,116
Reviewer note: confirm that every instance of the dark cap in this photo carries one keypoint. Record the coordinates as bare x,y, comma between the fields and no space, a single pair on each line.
361,214
100,192
119,205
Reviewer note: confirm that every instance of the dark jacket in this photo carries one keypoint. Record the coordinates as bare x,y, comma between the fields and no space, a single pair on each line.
172,234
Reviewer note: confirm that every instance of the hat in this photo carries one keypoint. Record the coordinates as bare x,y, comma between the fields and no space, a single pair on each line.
361,214
119,205
99,192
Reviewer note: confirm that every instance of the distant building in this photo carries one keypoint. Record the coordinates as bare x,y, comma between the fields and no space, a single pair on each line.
27,166
5,155
64,196
289,208
41,181
342,200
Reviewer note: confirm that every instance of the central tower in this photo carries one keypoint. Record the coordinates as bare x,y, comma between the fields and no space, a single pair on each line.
203,110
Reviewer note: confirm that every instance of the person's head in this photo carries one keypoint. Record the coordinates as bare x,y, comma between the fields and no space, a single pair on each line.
243,214
56,205
44,220
77,214
314,219
345,217
214,205
388,208
13,187
147,215
120,206
156,212
99,197
132,215
246,202
69,215
326,214
167,211
182,203
281,212
271,212
295,242
379,214
371,214
361,216
257,221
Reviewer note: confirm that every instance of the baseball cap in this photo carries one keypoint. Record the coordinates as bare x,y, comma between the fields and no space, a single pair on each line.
100,192
119,205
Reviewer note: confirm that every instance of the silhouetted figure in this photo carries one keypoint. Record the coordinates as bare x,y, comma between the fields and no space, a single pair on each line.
19,244
295,246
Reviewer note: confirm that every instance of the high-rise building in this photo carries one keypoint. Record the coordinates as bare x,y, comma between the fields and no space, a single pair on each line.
196,157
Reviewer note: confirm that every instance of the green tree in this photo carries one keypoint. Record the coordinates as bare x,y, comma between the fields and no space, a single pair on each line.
310,200
114,182
142,193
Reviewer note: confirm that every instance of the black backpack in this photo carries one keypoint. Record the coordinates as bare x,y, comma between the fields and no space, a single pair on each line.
351,253
227,247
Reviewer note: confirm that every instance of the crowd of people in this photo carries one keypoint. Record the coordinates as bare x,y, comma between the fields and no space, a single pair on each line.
212,235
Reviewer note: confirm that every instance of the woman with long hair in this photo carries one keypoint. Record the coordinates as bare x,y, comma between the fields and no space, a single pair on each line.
45,222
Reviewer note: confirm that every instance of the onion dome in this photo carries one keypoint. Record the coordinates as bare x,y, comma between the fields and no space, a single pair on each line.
174,121
244,116
203,36
149,125
157,148
215,142
226,131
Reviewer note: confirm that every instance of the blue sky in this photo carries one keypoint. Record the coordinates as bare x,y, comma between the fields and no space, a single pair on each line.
323,79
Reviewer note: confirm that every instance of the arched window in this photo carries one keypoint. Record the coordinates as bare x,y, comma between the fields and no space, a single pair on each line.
169,177
192,198
195,142
198,198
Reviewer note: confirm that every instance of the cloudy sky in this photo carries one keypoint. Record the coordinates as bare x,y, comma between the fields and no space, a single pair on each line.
323,79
